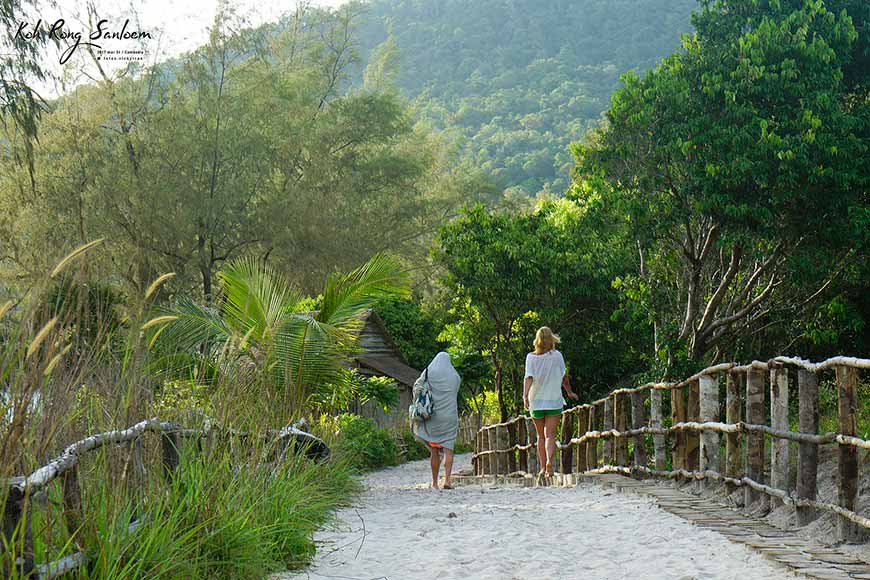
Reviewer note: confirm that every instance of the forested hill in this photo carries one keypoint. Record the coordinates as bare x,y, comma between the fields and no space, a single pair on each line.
522,78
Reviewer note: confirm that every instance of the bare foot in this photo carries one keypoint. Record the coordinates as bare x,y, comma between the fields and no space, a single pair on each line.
446,485
550,469
435,485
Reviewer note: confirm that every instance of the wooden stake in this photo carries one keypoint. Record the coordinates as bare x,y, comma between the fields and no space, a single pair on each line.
592,446
566,456
483,460
709,407
532,433
779,420
511,443
582,449
693,440
169,443
501,455
732,415
72,501
492,458
620,420
847,385
609,458
523,454
16,534
678,415
638,420
808,453
475,460
754,440
656,418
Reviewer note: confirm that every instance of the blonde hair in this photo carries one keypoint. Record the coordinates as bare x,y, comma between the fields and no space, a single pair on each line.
545,340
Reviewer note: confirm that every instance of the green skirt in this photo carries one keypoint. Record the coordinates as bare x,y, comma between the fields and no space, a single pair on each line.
541,413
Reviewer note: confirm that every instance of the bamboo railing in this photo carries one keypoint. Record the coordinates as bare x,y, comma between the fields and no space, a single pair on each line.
693,439
16,534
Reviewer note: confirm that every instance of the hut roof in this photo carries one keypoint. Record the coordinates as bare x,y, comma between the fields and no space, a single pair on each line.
380,352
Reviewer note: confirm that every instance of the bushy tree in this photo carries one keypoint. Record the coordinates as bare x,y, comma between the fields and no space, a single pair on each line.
508,274
738,162
252,144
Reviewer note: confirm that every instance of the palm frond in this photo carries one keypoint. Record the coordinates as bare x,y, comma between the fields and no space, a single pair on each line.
347,296
308,351
256,298
195,326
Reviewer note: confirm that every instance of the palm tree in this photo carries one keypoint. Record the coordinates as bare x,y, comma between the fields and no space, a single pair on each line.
260,326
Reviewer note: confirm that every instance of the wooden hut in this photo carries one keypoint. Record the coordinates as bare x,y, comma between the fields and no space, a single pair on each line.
381,357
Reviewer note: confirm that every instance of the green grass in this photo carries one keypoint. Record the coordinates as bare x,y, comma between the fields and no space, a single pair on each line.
221,516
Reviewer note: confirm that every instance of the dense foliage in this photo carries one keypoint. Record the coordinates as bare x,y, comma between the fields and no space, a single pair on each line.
739,163
253,144
508,274
521,79
364,444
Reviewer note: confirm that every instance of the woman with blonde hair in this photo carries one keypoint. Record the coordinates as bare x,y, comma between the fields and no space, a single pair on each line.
542,393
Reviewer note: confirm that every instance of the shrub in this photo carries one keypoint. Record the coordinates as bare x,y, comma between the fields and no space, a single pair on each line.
414,448
364,445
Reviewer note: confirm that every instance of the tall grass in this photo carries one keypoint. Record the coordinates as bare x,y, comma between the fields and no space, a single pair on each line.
217,518
76,359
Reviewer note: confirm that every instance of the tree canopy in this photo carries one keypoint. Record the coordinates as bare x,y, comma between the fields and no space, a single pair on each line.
521,79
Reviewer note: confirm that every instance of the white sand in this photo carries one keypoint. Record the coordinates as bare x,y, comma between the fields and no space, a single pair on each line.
513,533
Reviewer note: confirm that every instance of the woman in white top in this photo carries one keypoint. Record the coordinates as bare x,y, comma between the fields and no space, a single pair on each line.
542,393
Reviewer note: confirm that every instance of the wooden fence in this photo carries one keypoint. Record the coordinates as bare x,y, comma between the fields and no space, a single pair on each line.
687,444
16,534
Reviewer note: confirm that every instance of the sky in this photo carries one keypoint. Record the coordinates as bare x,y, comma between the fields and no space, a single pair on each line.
176,26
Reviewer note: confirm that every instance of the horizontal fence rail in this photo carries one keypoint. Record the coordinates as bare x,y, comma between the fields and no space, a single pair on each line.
691,437
17,526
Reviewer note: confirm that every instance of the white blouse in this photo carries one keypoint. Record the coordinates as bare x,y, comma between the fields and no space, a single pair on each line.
547,371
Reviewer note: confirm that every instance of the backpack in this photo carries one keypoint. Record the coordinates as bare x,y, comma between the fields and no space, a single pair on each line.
423,406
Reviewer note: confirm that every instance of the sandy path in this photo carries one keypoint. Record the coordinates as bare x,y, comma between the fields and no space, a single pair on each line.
483,533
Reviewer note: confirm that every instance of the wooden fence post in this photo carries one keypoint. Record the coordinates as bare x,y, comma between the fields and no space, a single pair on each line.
582,448
512,454
678,415
522,440
592,445
620,423
475,458
693,438
732,415
656,419
608,425
16,513
72,501
566,454
575,449
847,385
709,407
503,461
808,453
169,443
779,421
532,434
638,421
483,460
491,457
754,439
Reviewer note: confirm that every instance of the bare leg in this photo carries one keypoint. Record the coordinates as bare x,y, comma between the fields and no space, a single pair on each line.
448,468
542,451
435,462
552,423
